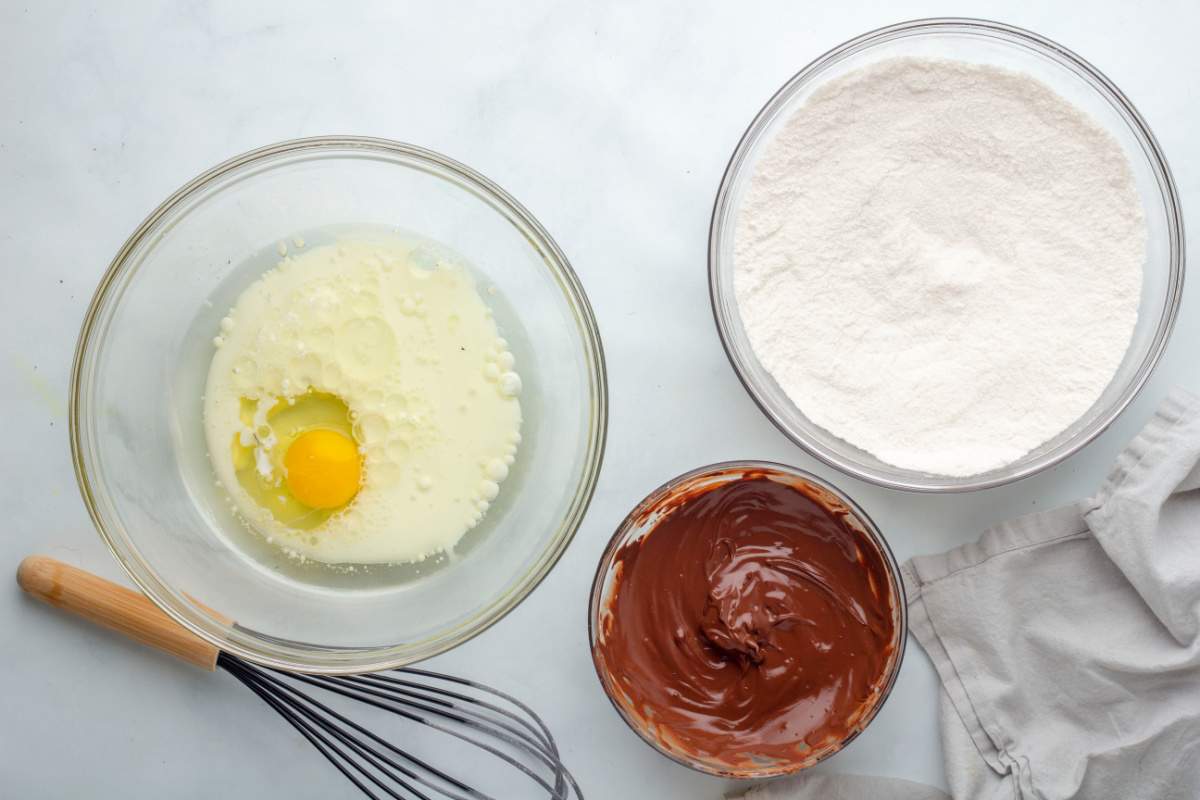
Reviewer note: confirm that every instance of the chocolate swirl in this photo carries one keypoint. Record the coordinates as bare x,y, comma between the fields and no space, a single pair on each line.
754,621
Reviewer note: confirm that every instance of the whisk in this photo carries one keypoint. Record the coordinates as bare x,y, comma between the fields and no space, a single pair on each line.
473,717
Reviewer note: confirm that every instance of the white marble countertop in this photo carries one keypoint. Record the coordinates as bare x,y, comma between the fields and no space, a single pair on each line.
612,123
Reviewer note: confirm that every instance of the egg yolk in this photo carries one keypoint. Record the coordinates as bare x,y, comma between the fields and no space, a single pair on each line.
323,469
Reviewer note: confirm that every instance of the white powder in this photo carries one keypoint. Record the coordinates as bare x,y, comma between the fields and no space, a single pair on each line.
940,262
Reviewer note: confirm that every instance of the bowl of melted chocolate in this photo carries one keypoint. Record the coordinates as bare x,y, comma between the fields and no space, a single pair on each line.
747,619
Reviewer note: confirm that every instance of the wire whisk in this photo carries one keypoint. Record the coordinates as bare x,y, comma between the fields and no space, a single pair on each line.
501,726
423,710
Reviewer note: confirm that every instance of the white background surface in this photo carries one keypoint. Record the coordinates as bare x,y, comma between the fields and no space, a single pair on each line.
613,125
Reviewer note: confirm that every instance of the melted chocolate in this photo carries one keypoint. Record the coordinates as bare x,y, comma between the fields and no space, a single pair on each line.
755,621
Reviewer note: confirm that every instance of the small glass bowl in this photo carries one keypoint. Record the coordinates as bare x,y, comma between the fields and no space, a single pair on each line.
641,522
984,42
140,368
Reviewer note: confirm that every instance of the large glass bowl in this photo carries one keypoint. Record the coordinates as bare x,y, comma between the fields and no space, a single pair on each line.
1076,80
143,354
641,522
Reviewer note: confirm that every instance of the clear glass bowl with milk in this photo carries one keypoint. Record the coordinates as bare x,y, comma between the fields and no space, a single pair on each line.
139,378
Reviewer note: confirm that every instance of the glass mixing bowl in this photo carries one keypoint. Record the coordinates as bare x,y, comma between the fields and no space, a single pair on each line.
140,368
642,520
1076,80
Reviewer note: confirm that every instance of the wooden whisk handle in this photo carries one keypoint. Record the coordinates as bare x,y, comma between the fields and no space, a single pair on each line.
112,606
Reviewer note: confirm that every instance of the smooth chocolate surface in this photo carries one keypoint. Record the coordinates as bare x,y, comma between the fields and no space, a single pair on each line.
754,621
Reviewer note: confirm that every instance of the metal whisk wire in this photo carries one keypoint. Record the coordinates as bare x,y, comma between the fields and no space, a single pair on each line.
368,760
471,717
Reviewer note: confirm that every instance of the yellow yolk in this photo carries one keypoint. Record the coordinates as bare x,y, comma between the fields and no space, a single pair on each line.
323,469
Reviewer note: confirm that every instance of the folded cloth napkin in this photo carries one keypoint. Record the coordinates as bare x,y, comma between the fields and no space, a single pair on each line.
1067,642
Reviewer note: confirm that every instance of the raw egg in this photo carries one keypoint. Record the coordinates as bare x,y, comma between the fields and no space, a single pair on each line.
370,402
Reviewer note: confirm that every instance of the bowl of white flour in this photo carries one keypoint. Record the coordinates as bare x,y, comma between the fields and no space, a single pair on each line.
946,255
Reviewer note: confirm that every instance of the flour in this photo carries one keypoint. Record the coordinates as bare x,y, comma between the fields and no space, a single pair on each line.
940,262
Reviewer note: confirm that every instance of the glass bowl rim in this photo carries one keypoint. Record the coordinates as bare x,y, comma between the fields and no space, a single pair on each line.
262,648
1065,58
631,521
